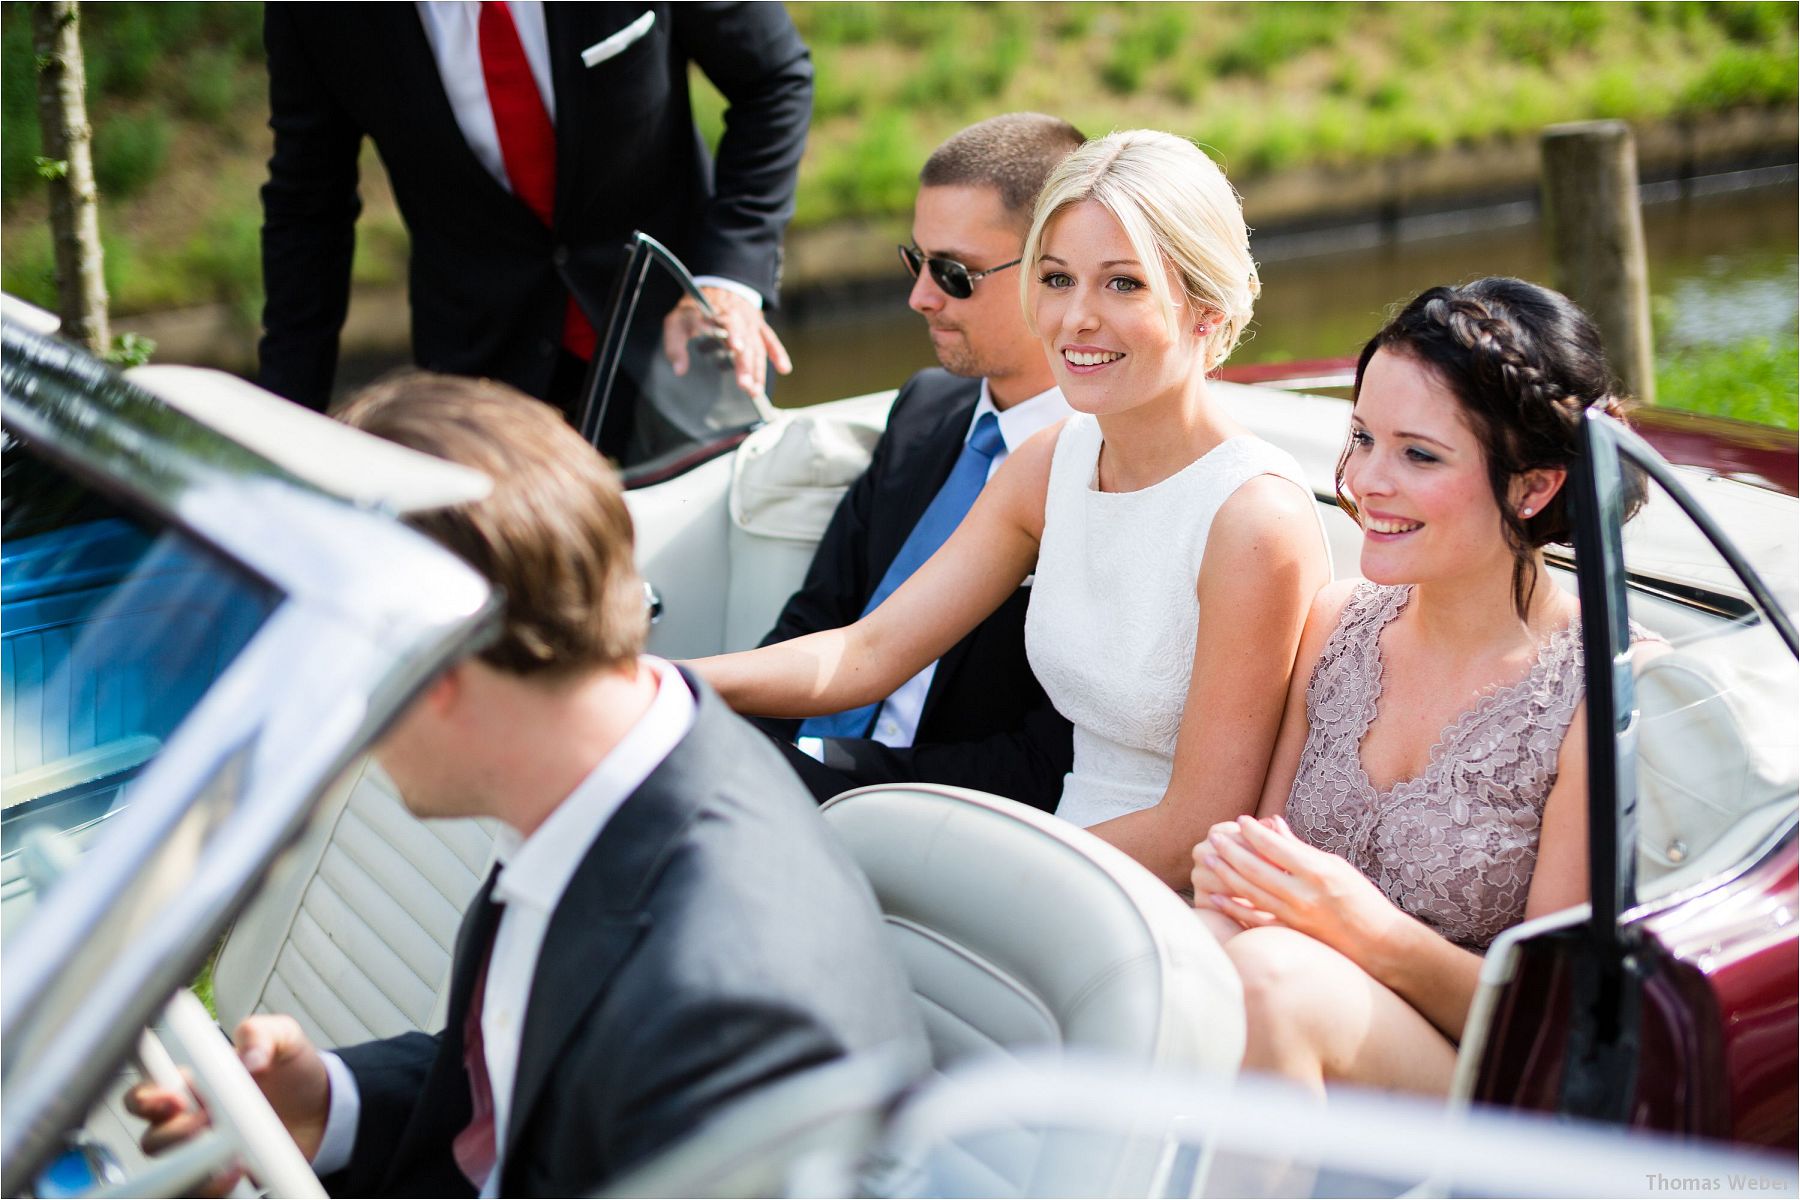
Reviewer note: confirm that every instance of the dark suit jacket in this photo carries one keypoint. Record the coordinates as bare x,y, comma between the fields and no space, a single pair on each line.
487,279
986,723
716,938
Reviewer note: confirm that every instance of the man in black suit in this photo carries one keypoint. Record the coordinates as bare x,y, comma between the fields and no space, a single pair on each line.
505,280
672,926
977,717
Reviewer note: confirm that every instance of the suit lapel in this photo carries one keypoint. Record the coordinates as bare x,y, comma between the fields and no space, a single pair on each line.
600,919
420,94
947,438
933,454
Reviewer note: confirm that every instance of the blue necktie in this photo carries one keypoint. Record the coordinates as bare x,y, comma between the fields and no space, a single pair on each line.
939,521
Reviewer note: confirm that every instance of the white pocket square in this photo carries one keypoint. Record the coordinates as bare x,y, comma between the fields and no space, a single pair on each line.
611,46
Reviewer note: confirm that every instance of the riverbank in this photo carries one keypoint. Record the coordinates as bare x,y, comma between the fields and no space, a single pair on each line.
850,264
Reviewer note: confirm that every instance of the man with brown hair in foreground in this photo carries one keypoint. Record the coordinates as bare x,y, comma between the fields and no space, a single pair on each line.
670,927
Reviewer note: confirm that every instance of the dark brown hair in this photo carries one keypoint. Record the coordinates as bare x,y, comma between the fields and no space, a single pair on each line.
1525,362
554,535
1012,153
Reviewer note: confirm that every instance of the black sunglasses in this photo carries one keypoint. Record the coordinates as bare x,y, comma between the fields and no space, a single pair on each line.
957,280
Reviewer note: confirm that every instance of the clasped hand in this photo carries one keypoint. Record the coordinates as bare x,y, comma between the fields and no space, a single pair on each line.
752,344
1260,873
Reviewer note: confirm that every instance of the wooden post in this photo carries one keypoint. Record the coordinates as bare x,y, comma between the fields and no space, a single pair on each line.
69,167
1596,235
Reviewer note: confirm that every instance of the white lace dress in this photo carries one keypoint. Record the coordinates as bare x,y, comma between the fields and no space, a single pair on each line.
1113,616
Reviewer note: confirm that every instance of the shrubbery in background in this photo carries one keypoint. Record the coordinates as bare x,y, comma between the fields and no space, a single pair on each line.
179,102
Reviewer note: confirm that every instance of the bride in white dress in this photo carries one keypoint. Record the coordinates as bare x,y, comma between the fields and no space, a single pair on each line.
1175,553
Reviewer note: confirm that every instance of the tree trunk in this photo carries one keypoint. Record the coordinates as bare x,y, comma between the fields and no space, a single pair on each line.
69,169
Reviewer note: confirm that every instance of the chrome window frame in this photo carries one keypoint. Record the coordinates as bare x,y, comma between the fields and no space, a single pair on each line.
272,733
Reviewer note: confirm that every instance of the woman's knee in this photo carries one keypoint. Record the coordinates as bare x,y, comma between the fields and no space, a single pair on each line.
1273,965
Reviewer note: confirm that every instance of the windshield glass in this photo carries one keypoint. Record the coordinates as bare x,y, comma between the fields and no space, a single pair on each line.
111,629
657,423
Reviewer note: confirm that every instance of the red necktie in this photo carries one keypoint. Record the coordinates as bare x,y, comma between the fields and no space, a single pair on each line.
527,140
474,1148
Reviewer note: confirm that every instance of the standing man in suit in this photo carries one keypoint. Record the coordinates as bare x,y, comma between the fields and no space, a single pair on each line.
976,717
672,926
525,141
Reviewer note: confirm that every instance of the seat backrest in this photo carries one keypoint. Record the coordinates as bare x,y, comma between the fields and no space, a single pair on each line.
354,933
787,480
1717,755
1020,932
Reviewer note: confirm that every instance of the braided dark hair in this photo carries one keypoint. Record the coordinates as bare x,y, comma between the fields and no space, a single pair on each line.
1525,362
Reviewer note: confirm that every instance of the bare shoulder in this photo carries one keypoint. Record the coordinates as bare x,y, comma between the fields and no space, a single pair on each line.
1265,515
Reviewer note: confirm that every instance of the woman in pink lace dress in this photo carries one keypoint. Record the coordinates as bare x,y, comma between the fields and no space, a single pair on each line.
1426,789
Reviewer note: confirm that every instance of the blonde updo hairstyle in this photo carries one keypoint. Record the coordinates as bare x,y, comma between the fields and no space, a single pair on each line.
1177,209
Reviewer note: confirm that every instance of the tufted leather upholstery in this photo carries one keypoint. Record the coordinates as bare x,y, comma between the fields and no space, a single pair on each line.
1021,932
354,937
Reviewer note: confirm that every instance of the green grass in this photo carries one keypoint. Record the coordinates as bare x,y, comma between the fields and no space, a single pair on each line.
178,102
1752,380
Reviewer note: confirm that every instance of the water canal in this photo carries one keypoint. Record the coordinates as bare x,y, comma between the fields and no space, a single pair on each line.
1724,267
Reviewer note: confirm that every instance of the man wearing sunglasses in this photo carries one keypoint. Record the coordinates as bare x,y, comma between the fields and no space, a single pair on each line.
977,717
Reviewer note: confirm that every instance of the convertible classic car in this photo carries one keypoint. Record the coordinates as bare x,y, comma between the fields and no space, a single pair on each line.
210,610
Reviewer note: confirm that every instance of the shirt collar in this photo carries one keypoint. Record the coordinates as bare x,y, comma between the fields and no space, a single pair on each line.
538,868
1023,419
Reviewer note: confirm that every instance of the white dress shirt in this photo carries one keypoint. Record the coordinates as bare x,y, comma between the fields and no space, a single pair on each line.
535,873
898,721
453,27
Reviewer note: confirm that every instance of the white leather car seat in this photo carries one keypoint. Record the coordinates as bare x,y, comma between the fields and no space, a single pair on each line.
787,479
1021,932
353,935
1717,755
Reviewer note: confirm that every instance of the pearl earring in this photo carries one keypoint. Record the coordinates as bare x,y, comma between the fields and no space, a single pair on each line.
1527,511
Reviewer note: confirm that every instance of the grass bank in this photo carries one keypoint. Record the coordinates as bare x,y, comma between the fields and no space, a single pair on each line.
178,99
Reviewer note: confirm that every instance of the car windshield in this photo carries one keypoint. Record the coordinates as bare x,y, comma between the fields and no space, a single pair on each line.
111,629
650,420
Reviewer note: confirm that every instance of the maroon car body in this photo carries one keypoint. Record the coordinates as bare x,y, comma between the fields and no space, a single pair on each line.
1756,454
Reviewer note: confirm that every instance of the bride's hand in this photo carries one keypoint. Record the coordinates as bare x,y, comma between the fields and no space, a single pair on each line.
1268,875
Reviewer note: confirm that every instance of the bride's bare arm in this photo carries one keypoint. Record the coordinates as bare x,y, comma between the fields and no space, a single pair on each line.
1263,565
970,576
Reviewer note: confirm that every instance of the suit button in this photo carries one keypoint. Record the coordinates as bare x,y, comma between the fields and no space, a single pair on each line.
560,256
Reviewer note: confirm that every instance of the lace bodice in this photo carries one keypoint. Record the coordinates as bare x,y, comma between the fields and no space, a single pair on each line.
1456,845
1111,627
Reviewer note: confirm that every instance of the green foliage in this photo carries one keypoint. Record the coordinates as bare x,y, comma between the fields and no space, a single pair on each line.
29,268
1276,33
1155,34
709,107
133,350
129,152
1759,23
873,176
1745,76
210,85
1751,380
20,139
1539,33
1264,87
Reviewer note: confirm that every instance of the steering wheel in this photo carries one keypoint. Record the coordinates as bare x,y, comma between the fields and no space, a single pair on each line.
245,1128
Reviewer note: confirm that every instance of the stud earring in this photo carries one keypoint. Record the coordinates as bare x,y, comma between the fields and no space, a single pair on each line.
1202,329
1527,511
